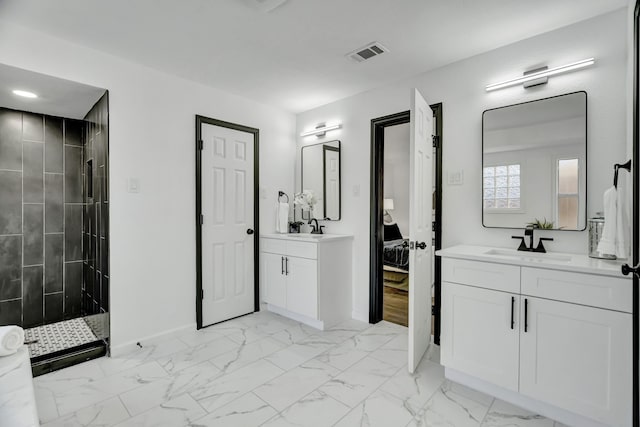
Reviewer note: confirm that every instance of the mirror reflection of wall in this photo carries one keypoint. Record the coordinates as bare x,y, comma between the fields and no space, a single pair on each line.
396,175
321,178
534,164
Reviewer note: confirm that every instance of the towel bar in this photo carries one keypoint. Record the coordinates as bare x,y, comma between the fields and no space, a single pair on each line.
626,166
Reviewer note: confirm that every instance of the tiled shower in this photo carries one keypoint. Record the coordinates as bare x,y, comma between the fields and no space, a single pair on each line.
54,223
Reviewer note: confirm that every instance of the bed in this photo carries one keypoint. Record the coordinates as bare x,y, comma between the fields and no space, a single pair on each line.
395,258
395,251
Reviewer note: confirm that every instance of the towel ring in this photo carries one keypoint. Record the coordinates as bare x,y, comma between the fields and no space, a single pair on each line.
282,193
626,166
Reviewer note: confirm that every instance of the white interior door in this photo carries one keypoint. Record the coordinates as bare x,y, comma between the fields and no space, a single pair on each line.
227,208
332,183
420,177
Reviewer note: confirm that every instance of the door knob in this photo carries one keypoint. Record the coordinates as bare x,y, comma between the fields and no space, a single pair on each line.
635,270
249,230
421,245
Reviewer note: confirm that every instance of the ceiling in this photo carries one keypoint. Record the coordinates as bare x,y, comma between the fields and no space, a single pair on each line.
56,97
293,57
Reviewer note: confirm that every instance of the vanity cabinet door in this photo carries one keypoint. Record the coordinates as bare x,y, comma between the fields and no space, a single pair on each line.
274,279
577,358
302,286
479,334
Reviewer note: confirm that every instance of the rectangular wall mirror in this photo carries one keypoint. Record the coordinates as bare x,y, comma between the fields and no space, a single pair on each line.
320,170
534,164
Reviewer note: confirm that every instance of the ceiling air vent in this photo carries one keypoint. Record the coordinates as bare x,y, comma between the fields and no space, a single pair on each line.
367,52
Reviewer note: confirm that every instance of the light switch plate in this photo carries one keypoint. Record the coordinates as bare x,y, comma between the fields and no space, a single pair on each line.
133,185
455,177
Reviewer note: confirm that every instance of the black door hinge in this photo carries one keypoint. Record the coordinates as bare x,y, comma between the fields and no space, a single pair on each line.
201,293
200,145
436,141
201,219
434,310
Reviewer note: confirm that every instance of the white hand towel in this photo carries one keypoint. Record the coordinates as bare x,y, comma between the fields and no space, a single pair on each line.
616,225
282,218
11,339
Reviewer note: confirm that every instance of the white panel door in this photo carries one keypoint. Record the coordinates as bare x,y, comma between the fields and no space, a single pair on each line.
302,286
332,183
227,207
480,333
420,205
273,279
577,358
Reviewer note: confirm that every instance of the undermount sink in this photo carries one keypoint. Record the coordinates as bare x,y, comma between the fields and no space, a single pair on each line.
529,256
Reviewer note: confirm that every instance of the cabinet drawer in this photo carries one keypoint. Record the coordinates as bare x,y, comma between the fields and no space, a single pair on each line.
482,274
288,247
274,246
302,249
598,291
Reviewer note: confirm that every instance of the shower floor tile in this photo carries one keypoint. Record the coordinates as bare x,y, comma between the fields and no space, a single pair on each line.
58,336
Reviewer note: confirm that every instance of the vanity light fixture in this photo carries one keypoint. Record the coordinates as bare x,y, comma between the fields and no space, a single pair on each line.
321,130
528,77
24,93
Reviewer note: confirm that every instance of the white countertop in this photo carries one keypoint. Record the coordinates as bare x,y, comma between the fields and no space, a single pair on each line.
17,398
307,237
552,260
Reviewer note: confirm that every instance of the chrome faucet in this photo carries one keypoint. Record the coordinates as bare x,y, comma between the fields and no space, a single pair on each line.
316,229
529,232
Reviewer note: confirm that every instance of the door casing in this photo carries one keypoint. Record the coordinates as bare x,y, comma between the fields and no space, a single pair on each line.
200,120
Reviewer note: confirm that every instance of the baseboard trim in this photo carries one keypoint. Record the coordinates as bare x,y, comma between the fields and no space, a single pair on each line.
363,317
127,347
545,409
314,323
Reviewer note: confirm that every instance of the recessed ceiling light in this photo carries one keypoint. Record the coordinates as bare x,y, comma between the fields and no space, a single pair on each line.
24,93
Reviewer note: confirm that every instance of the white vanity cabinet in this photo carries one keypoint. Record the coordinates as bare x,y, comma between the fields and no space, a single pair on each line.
578,358
307,278
476,335
543,335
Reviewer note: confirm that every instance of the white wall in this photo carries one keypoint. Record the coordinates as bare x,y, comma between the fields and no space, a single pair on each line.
396,174
152,133
460,87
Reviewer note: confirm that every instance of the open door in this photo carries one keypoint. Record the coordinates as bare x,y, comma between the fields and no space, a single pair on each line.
420,217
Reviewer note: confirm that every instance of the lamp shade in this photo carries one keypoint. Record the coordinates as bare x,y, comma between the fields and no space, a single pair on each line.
387,204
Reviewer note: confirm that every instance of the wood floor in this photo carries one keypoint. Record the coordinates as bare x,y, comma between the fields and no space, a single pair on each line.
395,307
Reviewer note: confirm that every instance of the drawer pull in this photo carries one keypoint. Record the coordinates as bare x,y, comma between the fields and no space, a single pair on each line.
282,264
513,303
526,306
286,266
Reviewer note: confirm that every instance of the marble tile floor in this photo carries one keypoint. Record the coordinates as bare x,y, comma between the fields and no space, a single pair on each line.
266,370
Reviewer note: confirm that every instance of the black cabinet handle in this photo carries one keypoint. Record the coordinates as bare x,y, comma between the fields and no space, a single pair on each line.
286,266
513,303
526,306
282,264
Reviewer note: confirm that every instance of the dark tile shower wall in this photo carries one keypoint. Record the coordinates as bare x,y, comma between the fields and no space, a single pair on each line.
95,293
41,181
